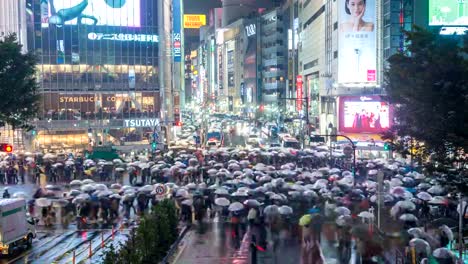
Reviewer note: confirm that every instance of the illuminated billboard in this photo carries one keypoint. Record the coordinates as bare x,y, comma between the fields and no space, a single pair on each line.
364,114
120,13
448,13
357,53
194,21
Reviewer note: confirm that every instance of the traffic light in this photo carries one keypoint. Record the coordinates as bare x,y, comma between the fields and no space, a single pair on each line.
154,145
6,148
33,132
178,123
387,146
262,107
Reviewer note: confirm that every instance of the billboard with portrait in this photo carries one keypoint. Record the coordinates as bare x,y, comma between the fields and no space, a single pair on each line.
364,114
124,13
357,52
448,13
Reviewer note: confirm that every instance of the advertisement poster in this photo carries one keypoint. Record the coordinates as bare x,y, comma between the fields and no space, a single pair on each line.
364,114
177,31
194,21
357,51
124,13
448,13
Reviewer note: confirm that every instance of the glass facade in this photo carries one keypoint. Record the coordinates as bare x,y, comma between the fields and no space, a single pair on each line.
98,60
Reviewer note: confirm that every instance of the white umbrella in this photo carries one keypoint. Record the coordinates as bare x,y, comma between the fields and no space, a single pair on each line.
43,202
120,169
366,215
87,188
222,201
49,156
342,211
146,188
221,191
448,232
285,210
416,232
104,193
407,205
436,190
188,202
74,193
424,196
236,206
252,203
88,181
408,218
438,200
59,203
100,187
420,245
271,209
76,183
116,186
20,195
182,193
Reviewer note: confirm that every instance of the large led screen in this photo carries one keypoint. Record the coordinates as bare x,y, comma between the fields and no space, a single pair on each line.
448,12
364,114
357,50
125,13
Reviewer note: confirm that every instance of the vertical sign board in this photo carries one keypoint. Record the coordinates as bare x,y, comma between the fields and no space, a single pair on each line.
176,33
357,51
299,92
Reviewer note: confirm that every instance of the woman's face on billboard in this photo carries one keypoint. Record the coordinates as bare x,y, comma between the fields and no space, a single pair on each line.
356,7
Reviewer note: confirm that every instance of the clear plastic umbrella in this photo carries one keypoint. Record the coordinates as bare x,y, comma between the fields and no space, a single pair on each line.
366,215
116,186
436,190
342,211
115,196
76,183
88,188
222,201
416,232
285,210
420,245
447,231
146,188
424,196
407,205
271,210
87,181
408,218
221,191
252,203
182,193
101,187
188,202
236,206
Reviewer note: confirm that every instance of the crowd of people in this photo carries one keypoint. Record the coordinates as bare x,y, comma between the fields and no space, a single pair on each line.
264,191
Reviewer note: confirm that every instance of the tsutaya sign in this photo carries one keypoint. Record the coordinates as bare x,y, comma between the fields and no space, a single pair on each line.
147,122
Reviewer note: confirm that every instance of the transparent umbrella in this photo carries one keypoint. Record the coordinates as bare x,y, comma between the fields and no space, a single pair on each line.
407,205
271,210
285,210
424,196
87,181
221,191
420,245
252,203
236,206
21,195
342,211
182,193
442,253
76,183
366,215
222,201
408,218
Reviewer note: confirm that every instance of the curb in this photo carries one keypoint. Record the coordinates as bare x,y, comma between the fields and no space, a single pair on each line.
174,246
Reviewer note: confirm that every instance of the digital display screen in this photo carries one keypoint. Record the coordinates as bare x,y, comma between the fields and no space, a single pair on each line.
364,115
120,13
448,12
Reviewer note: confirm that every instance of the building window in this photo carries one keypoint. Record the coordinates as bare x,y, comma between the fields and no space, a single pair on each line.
335,26
335,54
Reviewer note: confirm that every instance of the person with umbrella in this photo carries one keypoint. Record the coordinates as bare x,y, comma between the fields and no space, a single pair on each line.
142,203
6,194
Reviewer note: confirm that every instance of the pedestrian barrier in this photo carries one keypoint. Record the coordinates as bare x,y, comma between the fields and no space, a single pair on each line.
90,250
74,257
174,246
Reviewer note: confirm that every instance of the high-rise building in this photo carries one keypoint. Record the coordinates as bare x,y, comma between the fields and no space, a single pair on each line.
98,69
13,19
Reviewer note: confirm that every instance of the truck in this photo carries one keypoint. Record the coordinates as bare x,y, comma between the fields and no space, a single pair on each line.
17,230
